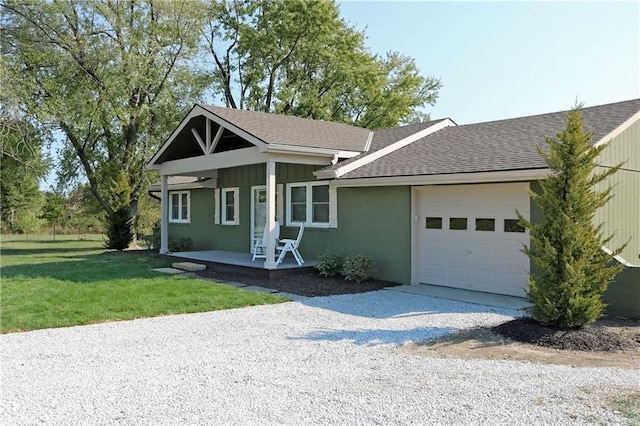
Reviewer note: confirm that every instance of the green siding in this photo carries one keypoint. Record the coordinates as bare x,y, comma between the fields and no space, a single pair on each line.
623,294
208,236
621,216
201,225
374,221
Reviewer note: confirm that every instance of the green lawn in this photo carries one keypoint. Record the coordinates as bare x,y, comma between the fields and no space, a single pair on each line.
69,282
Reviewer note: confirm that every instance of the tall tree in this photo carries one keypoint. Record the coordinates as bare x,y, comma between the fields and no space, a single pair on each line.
53,210
113,76
572,270
298,57
23,166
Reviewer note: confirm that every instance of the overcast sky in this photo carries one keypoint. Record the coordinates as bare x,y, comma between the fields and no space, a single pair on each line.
507,59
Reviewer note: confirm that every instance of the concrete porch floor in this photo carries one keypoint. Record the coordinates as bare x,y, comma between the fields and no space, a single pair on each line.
477,297
240,259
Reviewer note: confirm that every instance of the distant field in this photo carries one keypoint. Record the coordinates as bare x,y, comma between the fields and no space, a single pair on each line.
68,282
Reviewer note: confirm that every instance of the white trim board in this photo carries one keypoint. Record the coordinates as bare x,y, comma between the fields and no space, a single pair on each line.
444,179
621,128
263,147
366,159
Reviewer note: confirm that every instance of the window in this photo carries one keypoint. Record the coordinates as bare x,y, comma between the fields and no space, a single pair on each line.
308,203
229,207
512,225
485,224
433,223
179,207
458,223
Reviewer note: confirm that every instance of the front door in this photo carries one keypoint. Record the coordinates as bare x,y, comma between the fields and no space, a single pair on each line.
258,212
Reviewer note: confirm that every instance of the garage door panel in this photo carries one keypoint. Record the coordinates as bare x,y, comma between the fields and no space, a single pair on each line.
489,261
457,274
486,277
433,273
485,251
455,248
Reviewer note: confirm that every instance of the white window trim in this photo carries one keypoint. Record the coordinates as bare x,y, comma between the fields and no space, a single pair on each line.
309,204
236,206
216,206
180,220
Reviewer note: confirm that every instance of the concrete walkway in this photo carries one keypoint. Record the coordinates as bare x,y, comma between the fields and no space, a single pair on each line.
477,297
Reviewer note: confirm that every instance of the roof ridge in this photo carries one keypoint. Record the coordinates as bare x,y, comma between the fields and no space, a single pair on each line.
549,113
276,114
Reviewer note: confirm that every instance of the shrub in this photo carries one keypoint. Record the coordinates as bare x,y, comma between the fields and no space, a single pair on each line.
153,240
358,268
119,232
182,244
329,264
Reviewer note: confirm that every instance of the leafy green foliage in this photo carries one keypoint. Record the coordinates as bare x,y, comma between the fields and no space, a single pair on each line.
73,282
329,264
571,269
358,268
180,244
118,230
23,165
115,77
298,57
53,210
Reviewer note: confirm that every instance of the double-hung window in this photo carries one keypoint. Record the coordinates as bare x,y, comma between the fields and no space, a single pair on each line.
230,206
179,207
308,203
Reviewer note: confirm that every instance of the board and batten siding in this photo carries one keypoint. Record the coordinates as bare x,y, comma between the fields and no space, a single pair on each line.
621,216
376,222
208,236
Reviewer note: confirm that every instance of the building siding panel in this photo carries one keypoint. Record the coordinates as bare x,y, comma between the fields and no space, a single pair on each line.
621,216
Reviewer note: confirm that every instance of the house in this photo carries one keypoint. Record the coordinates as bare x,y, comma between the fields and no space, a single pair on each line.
431,203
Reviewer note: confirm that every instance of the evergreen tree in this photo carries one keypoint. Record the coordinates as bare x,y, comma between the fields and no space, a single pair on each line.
571,269
119,223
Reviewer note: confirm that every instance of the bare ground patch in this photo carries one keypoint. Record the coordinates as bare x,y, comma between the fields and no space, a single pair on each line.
483,343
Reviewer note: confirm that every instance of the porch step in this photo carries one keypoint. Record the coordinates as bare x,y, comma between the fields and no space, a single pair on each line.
168,270
189,266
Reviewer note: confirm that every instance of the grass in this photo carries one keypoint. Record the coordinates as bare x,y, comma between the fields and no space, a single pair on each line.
628,404
69,282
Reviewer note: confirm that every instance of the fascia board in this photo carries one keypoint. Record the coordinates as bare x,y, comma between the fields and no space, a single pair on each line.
197,111
211,183
366,159
621,128
295,149
620,259
443,179
191,114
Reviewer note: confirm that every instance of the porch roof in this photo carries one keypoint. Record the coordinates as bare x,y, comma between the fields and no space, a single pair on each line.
207,130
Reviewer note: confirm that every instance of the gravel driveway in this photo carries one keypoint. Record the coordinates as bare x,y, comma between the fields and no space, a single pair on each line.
331,360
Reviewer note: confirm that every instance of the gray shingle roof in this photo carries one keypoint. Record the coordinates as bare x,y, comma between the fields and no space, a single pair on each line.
493,146
385,137
295,131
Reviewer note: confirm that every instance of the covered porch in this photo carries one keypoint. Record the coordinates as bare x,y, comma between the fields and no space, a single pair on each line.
243,263
211,141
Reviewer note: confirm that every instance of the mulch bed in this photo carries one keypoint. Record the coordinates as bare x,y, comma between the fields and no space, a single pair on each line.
589,338
307,284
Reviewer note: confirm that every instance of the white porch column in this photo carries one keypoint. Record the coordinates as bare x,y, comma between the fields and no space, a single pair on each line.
270,262
164,212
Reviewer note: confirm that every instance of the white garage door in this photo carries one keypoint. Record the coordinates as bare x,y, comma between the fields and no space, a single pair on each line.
468,237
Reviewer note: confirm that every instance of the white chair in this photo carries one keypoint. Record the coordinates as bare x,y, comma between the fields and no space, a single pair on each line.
291,246
260,244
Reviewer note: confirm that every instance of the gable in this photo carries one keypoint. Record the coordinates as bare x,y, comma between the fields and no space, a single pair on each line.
209,130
